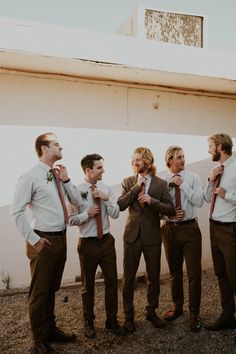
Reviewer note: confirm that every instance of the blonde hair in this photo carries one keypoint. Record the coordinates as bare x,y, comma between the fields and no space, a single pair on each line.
170,153
224,140
148,159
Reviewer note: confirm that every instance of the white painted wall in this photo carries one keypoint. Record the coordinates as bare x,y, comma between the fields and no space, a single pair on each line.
108,119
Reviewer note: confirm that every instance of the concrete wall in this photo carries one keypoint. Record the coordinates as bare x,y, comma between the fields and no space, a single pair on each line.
109,119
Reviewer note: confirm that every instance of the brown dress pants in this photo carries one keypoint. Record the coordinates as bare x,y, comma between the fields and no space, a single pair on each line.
184,242
223,248
46,273
94,253
152,256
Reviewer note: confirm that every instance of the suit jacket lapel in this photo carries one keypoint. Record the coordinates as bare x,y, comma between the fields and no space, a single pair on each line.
151,185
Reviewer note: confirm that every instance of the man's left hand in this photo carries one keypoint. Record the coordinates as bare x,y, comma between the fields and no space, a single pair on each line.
178,180
97,193
145,198
62,173
220,192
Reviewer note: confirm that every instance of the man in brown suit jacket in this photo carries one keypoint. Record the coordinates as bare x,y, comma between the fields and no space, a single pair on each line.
146,196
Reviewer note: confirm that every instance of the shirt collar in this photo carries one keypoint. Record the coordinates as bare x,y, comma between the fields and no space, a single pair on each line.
88,184
44,166
147,177
228,161
181,173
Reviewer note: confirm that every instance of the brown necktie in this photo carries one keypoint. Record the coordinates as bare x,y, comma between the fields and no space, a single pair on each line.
97,201
213,196
177,197
142,192
58,183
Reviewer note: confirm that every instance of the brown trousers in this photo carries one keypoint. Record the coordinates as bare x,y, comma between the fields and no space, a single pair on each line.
184,242
152,256
94,253
223,248
46,273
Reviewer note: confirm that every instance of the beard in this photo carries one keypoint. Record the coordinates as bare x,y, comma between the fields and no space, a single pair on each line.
216,156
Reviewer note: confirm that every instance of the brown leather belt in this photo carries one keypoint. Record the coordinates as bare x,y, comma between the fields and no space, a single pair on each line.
51,233
221,223
95,238
184,222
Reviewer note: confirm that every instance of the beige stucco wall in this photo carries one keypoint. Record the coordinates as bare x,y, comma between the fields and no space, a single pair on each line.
46,101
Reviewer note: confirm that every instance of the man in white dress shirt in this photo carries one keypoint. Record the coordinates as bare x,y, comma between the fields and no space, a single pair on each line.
46,238
220,190
96,245
182,237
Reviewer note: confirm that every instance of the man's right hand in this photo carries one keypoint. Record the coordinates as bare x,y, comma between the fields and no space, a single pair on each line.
39,246
93,211
215,172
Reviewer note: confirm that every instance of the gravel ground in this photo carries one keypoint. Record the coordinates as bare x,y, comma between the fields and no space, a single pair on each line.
15,334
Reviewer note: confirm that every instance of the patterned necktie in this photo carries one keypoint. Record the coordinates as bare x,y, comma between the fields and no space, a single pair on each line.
177,197
98,216
58,183
213,196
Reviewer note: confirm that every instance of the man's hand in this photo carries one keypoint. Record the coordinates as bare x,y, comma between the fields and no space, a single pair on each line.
179,214
39,246
97,193
94,210
145,198
215,172
141,180
220,192
62,173
177,180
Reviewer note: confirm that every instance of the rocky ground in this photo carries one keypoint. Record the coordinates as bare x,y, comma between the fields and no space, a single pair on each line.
176,338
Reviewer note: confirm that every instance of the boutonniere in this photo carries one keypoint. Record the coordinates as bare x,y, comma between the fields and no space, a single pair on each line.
49,176
84,195
134,181
171,185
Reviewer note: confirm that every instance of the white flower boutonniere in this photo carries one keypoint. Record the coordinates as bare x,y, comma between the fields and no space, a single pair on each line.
84,195
49,176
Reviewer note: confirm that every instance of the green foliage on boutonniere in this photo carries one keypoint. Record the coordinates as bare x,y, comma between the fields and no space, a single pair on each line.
171,185
84,195
49,176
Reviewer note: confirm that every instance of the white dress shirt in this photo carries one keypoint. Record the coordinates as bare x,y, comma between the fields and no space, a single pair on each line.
88,226
224,209
190,190
40,193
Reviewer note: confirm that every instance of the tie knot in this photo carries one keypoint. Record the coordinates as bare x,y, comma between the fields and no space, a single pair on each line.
93,187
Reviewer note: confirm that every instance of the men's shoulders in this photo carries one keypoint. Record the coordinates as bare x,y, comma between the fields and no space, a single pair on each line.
190,174
158,179
32,173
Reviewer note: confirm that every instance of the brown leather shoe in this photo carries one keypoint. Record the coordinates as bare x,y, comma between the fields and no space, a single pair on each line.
195,323
41,347
89,330
223,322
173,313
156,321
59,336
129,325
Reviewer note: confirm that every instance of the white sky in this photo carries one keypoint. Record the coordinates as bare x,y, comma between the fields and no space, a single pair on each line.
107,15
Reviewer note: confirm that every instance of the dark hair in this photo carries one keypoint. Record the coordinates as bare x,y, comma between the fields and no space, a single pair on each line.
40,141
88,161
